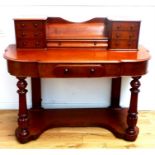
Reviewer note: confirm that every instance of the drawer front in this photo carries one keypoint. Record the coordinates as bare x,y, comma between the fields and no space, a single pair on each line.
30,34
78,71
124,44
71,70
124,35
28,24
30,43
127,26
77,44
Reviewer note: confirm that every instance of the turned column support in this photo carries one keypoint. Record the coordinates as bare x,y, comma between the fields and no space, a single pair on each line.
132,130
22,130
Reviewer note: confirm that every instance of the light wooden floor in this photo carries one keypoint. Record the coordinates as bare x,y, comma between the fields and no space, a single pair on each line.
77,137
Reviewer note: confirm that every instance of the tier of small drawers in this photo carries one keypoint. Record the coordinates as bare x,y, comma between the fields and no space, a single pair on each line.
30,33
124,35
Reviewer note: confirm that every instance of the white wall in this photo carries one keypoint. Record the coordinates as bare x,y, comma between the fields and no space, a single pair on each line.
63,93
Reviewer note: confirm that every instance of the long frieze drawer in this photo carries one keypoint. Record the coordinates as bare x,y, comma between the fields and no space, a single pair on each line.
79,70
124,35
77,43
123,44
127,26
30,43
30,34
29,24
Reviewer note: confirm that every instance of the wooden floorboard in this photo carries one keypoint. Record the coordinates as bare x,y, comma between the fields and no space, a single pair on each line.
77,137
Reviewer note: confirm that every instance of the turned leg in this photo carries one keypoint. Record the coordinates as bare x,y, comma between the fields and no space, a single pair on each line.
22,130
115,92
36,93
132,130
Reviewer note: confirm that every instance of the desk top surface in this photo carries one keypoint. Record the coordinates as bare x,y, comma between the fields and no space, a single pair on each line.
75,55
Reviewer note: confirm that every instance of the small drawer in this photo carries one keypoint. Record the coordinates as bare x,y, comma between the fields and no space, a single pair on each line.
29,43
71,70
123,44
30,34
124,35
28,24
76,43
127,26
78,71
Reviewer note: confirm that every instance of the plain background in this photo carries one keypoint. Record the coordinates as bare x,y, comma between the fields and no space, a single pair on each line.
84,92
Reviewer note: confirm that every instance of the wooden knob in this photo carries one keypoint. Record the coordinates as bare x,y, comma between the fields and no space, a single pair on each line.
23,34
129,44
92,70
117,35
35,24
131,36
24,43
37,43
66,70
22,25
131,27
116,44
118,27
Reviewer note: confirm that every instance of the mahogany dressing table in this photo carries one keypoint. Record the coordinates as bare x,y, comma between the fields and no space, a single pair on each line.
55,48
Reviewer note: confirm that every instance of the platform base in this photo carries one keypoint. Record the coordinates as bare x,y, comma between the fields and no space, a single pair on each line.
113,119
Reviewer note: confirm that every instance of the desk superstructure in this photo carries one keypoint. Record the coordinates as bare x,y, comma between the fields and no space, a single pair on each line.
54,47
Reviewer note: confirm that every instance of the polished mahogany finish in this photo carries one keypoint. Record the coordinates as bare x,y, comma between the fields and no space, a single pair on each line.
70,50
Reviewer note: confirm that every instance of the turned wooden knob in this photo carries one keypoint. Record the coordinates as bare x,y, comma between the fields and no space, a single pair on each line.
66,70
118,27
131,28
92,70
117,35
35,24
22,25
23,34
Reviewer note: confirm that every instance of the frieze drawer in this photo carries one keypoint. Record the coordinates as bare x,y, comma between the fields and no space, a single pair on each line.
78,70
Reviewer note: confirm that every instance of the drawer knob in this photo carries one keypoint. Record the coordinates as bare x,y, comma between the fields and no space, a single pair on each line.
23,34
24,44
37,43
35,24
118,27
116,44
92,70
22,25
131,27
66,71
117,35
131,36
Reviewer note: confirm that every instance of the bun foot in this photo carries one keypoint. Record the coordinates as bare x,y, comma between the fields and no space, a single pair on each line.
131,136
22,135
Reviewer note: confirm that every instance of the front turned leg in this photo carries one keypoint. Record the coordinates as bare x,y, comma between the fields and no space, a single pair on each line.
132,130
22,132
